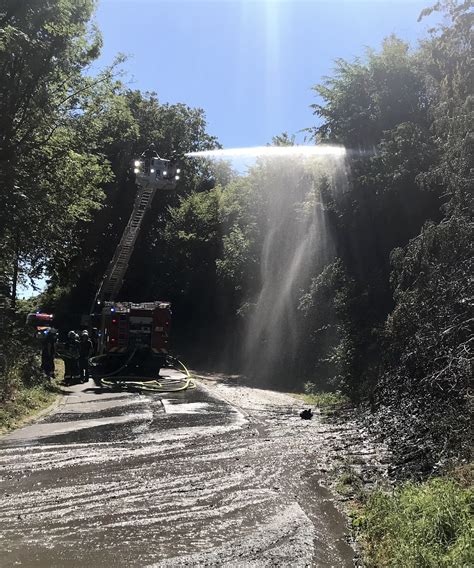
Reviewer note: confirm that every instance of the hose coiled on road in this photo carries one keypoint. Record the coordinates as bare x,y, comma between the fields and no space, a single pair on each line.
163,384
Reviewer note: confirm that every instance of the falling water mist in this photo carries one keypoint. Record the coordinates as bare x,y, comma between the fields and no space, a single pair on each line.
295,184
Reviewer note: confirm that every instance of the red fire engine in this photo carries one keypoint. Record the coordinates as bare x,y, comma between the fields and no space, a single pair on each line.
41,322
132,338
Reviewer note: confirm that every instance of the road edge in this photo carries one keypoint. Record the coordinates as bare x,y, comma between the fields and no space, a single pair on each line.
36,416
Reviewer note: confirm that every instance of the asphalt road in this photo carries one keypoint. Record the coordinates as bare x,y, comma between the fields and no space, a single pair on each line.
223,475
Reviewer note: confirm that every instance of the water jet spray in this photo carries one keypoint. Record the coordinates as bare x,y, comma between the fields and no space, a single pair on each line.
271,151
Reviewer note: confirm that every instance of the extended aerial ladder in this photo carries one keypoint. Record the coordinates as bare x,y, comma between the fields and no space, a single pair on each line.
152,173
129,334
131,339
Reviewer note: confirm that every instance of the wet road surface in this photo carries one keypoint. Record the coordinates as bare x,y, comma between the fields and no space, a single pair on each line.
222,475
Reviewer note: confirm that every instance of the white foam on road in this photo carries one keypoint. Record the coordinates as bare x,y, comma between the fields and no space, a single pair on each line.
182,407
48,430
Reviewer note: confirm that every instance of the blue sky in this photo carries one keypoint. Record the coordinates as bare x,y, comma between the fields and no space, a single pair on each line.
250,64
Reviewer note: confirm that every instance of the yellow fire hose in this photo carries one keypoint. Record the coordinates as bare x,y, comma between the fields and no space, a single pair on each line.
164,384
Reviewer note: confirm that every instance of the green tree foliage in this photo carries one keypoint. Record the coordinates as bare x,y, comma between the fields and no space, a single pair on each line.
430,333
334,303
366,98
50,169
377,108
429,337
447,62
241,212
409,114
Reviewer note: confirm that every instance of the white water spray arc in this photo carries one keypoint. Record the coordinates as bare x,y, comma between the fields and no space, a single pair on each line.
271,152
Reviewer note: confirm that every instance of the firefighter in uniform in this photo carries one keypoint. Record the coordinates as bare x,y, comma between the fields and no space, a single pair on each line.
48,352
147,155
71,358
85,352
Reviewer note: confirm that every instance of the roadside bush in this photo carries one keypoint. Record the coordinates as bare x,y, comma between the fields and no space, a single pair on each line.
424,396
20,365
426,525
22,369
24,388
323,399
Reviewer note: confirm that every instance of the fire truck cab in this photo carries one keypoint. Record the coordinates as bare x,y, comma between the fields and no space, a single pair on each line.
126,327
131,340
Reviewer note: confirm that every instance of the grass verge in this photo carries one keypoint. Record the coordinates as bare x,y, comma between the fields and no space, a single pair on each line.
417,525
26,402
324,400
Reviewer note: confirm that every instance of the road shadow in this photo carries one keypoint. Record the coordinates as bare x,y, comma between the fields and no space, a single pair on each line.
240,380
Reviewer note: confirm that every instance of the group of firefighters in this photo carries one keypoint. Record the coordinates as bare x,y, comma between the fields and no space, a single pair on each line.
75,352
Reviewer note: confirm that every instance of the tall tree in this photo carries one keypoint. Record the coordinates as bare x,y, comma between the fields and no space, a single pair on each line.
50,173
377,108
430,333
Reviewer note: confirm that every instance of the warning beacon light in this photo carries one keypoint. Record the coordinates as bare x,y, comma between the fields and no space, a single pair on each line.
42,323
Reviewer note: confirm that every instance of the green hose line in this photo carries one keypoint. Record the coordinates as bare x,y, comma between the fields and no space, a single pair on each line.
161,385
